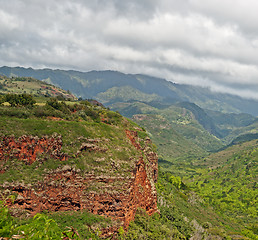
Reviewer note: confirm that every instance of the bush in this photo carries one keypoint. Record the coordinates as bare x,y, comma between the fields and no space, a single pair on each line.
2,99
6,222
20,99
39,227
158,226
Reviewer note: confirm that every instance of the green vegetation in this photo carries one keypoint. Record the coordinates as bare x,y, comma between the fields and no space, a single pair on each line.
176,132
55,226
72,111
125,93
19,100
31,86
249,130
229,183
166,225
219,190
188,209
75,123
108,86
201,192
171,145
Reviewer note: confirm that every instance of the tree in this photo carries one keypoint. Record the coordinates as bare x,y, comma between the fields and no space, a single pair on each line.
20,99
61,106
176,181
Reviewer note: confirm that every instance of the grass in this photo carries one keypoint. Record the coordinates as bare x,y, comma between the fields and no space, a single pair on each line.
32,86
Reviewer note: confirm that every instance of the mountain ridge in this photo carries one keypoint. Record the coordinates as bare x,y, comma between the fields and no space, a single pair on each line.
90,84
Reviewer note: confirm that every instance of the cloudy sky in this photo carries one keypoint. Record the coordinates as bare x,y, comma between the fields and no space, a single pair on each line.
210,43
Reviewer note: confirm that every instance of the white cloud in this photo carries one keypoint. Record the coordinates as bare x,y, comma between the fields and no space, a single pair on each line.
208,43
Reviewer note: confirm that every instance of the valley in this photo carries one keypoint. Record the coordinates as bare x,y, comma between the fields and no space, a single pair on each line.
159,161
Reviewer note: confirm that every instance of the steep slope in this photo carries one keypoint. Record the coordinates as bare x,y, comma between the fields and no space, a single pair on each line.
100,84
170,144
173,128
73,159
241,131
89,158
228,182
202,117
228,122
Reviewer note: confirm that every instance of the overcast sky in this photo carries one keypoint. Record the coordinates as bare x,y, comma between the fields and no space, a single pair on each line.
201,42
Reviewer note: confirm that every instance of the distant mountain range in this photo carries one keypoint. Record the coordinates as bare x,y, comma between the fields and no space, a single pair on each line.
110,87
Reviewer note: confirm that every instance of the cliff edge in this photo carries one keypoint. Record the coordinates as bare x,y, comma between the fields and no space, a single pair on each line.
59,165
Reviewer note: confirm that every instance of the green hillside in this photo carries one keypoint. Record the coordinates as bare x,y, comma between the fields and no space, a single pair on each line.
28,85
139,94
175,130
210,130
170,144
228,182
228,122
246,130
124,94
93,143
77,123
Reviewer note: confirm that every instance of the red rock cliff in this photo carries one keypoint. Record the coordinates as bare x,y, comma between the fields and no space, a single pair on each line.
67,188
28,148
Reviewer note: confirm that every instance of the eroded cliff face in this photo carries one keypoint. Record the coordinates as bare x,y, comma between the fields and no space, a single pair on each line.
69,188
28,148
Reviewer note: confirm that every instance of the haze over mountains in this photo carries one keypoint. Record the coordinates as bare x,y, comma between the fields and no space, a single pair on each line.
110,87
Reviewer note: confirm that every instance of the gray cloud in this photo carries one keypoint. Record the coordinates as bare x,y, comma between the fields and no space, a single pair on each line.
208,43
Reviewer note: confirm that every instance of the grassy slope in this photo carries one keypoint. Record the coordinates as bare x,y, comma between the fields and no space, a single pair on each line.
250,129
19,85
170,144
125,93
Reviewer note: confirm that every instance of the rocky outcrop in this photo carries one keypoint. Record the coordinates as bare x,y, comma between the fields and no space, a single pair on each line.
91,147
68,188
28,148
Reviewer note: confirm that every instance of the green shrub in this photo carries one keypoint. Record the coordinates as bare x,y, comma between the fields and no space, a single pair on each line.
167,225
61,106
20,99
41,227
44,227
6,223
